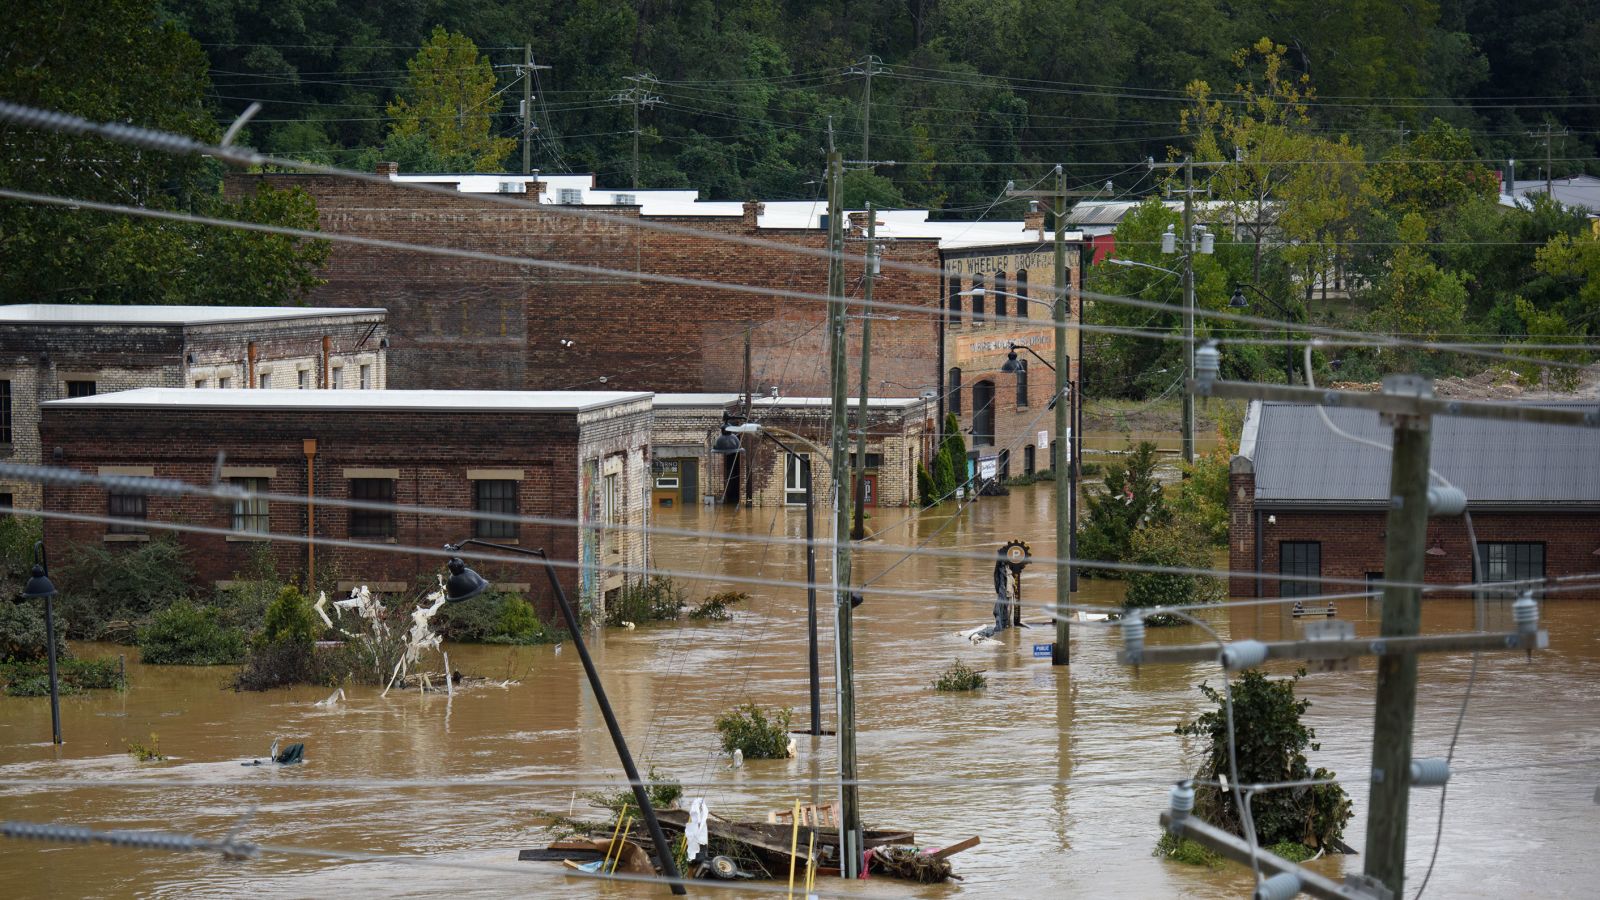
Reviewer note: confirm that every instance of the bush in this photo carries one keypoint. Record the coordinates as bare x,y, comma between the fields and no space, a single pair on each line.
517,623
290,620
22,632
927,486
243,604
186,635
17,537
960,677
655,599
1179,545
1187,851
1271,743
662,791
74,676
715,608
494,617
109,591
756,734
143,752
1129,498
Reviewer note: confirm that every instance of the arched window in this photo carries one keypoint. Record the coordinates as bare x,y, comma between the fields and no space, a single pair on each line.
954,390
1022,383
982,413
1000,298
953,310
1022,291
977,301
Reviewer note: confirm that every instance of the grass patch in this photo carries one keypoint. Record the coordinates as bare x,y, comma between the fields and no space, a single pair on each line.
960,677
1186,851
150,752
716,608
755,732
31,678
655,599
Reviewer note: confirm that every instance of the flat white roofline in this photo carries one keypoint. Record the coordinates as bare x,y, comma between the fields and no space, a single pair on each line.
806,402
353,400
98,314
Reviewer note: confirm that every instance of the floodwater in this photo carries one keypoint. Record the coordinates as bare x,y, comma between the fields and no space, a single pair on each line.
1097,736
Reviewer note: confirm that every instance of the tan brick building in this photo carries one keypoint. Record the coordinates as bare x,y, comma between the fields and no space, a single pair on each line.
50,351
578,455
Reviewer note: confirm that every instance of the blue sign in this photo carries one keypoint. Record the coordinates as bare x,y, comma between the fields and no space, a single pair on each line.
1043,651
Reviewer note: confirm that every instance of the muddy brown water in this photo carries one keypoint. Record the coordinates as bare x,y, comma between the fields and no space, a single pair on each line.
1103,729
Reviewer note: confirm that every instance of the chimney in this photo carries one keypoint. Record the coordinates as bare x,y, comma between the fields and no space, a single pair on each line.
388,168
1034,220
533,188
752,212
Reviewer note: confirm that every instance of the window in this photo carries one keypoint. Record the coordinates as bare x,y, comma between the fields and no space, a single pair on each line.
200,384
978,300
80,389
303,379
497,497
983,413
796,478
366,378
131,507
1005,465
372,523
6,502
954,390
625,199
264,380
1028,461
224,382
250,515
5,413
1302,559
1000,298
1511,561
953,310
1022,383
611,509
1022,293
337,380
569,196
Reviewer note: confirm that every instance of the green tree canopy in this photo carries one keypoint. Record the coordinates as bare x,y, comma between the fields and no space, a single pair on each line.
443,117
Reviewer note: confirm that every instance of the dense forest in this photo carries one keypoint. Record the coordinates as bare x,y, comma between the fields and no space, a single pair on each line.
1350,149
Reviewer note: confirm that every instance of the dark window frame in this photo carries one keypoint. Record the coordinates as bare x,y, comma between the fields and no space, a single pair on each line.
953,391
1299,558
252,516
983,414
373,523
978,314
1022,295
1029,458
129,509
953,311
5,411
1001,301
1515,560
81,388
1022,384
498,496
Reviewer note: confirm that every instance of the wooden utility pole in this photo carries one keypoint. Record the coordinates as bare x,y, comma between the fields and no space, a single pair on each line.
638,95
528,128
1548,134
749,467
1065,400
868,68
1188,307
870,271
1396,712
849,797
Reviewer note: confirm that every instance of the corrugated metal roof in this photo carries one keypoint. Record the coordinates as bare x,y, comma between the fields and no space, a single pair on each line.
1298,461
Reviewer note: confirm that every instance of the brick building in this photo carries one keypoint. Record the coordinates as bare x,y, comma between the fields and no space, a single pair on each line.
579,455
1305,502
50,351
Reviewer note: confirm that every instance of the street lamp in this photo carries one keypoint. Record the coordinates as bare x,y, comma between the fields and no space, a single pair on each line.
728,444
39,585
465,584
1239,301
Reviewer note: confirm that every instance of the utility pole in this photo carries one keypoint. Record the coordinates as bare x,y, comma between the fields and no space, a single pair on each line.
1188,307
1549,172
750,470
638,95
1064,401
850,834
528,128
1395,717
868,67
870,271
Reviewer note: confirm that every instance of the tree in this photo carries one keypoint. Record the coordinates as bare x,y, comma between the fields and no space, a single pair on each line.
1129,498
448,103
1177,544
1416,297
1270,743
128,65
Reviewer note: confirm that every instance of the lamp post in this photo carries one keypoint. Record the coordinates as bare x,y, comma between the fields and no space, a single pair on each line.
1239,301
1065,481
39,585
464,584
728,444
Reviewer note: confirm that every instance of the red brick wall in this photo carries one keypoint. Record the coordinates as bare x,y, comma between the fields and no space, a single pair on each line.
431,451
459,323
1353,544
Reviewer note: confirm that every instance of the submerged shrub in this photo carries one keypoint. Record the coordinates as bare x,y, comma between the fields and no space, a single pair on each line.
187,635
960,677
755,732
655,599
715,608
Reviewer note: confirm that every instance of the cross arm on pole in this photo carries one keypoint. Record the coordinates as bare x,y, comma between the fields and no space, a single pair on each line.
1346,648
1235,848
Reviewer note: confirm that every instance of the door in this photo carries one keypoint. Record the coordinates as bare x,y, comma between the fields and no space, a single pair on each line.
796,479
983,413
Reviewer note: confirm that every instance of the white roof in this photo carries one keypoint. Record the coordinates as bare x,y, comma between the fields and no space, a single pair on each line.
810,402
74,314
696,399
370,401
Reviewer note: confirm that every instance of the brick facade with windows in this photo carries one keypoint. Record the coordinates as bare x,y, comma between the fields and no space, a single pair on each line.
1534,500
553,452
49,352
